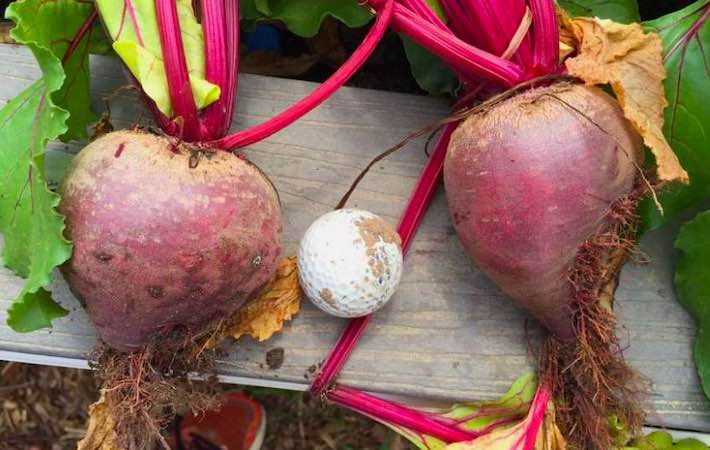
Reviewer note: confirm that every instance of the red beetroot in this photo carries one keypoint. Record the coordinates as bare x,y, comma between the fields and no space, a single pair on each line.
165,237
529,180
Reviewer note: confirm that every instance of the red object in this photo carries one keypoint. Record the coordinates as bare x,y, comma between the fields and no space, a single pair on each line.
238,425
411,217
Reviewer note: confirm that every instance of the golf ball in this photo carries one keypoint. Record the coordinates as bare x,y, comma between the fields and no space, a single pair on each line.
350,262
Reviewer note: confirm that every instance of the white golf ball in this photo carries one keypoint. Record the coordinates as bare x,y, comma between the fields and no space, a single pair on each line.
350,262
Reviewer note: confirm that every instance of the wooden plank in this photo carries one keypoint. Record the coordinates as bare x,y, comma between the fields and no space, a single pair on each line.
448,333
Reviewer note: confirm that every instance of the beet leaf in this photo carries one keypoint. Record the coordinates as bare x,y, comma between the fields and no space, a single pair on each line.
304,17
511,422
622,11
55,105
429,71
692,274
686,42
133,27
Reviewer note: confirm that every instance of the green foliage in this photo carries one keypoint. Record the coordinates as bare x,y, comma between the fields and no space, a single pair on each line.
686,42
689,444
429,71
691,278
138,44
304,17
55,105
623,11
48,27
655,440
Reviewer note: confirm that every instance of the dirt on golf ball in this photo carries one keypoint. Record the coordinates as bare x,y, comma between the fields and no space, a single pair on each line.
350,262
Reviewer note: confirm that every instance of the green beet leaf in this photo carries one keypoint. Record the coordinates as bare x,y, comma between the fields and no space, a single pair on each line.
248,11
686,42
133,26
49,27
691,283
248,15
55,105
304,17
622,11
428,70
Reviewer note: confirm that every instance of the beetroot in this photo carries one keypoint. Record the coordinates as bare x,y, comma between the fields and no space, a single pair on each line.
165,236
530,180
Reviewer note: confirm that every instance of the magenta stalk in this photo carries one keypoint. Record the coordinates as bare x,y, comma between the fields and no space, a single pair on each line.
319,95
214,29
398,415
181,97
411,217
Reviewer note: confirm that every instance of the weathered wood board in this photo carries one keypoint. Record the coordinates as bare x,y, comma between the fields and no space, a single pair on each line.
448,333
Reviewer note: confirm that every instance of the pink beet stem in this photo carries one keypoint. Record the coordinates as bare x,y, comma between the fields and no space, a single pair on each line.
214,27
508,14
483,15
232,20
424,190
441,428
399,415
411,217
460,23
319,95
181,97
460,55
545,36
423,10
80,34
536,415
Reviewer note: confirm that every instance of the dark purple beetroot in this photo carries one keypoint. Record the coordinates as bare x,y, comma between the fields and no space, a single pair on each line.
530,180
164,237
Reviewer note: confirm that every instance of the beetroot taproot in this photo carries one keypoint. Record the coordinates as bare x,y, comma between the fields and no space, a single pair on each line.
165,236
529,180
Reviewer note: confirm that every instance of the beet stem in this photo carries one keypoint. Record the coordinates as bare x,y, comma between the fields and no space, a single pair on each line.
437,426
232,21
460,55
214,28
319,95
536,415
178,78
399,415
411,217
545,37
80,34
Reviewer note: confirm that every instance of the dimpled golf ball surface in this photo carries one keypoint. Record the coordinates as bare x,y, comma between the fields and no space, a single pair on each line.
350,262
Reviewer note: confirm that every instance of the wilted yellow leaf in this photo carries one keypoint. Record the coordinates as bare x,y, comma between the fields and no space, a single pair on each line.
631,61
101,434
264,316
550,436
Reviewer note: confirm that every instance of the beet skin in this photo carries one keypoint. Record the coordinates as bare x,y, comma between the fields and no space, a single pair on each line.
165,237
529,180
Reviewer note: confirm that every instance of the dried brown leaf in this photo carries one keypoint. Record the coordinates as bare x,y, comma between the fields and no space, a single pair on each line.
101,434
550,436
631,61
264,316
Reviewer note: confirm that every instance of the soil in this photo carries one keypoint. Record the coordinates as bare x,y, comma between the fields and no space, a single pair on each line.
45,408
275,358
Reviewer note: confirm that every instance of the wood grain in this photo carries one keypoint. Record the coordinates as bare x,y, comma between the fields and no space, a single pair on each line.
448,333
